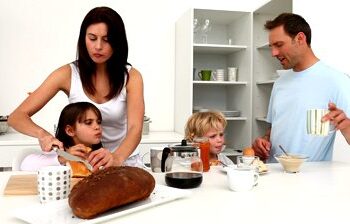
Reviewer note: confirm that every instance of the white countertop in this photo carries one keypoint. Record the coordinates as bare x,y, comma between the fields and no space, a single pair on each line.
16,138
318,194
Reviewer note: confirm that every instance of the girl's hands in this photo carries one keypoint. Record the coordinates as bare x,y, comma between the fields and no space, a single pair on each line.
79,150
100,158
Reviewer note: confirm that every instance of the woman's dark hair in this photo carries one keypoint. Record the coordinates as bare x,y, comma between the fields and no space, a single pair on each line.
292,25
116,65
69,116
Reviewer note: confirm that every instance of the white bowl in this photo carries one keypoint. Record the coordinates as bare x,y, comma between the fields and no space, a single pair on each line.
291,163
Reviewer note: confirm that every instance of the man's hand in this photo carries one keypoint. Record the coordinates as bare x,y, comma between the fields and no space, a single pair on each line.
262,148
338,118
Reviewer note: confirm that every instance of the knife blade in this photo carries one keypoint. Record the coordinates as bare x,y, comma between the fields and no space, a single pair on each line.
71,157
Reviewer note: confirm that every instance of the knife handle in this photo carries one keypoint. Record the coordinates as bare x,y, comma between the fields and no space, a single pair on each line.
54,148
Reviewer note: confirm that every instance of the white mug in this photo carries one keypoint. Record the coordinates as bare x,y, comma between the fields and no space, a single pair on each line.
232,74
53,183
241,179
219,75
155,159
314,125
248,162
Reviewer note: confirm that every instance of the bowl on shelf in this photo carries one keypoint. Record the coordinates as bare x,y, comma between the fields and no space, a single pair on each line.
3,124
292,162
231,113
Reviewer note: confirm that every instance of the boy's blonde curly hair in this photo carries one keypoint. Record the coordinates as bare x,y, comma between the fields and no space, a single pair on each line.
201,122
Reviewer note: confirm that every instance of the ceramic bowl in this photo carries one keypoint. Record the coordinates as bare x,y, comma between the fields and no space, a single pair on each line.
292,162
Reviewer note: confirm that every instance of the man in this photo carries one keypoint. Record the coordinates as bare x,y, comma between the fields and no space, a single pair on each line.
309,84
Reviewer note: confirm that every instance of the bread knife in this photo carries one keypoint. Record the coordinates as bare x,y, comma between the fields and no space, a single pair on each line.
71,157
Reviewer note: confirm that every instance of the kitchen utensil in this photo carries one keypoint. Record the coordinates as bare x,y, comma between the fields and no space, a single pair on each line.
60,212
222,163
145,127
292,162
22,185
3,124
204,148
53,183
284,151
182,165
26,184
241,178
71,157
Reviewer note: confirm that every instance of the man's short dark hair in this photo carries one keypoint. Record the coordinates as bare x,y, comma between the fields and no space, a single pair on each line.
292,25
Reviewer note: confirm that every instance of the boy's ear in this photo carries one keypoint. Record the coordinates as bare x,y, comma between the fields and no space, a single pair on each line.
69,130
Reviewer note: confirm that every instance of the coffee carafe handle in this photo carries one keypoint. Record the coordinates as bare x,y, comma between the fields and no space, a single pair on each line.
165,154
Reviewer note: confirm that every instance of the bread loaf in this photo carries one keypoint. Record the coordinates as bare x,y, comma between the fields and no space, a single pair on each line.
110,188
78,168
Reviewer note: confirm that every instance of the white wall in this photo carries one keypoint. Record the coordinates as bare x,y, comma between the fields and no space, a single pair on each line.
37,36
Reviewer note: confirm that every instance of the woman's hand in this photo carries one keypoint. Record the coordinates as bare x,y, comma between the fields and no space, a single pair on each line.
100,158
46,141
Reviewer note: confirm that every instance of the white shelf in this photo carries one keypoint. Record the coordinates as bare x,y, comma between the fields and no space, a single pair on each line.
263,119
263,46
219,83
217,48
236,118
266,82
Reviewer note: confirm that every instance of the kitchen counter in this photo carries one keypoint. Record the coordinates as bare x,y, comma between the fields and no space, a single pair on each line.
318,194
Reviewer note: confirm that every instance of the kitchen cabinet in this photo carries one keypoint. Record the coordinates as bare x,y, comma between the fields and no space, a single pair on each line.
264,65
236,39
228,45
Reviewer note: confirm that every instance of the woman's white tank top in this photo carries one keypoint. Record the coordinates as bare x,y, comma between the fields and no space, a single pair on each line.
114,117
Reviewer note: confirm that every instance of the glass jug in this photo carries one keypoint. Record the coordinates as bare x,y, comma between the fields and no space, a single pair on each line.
182,166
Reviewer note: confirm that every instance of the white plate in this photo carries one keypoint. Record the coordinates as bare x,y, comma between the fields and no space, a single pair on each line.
60,212
234,166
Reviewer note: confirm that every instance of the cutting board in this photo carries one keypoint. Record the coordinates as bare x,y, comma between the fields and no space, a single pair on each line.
26,184
22,185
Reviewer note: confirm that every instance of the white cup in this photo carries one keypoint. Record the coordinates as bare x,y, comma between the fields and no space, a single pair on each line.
232,74
155,158
248,162
241,179
314,125
219,75
53,183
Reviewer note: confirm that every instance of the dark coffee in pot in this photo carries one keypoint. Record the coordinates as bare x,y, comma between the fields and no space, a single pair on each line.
183,179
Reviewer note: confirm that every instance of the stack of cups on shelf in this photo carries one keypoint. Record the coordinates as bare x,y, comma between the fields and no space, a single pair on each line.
219,75
232,74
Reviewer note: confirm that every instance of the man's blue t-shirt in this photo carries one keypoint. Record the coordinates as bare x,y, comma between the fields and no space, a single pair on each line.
292,95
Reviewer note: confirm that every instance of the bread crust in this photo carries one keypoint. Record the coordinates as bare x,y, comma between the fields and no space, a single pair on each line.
78,168
110,188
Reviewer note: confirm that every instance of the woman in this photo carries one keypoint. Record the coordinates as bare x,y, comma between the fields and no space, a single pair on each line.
100,75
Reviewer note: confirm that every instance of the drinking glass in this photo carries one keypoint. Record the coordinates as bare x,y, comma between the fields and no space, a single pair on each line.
205,29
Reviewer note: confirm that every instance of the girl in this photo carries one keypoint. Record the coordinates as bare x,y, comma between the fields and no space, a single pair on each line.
211,125
79,126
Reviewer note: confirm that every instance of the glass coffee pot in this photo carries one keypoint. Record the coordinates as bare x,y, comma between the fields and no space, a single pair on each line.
182,166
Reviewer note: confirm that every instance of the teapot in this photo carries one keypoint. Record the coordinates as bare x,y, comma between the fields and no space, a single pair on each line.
182,166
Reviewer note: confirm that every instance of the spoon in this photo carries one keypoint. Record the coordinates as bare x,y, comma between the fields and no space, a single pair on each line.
225,165
284,151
